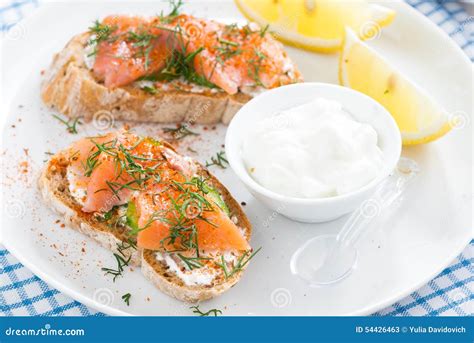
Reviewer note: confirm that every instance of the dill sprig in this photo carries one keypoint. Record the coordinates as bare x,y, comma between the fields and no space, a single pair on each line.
121,263
112,219
179,132
255,67
71,124
192,262
181,64
219,160
143,41
226,53
227,50
101,32
105,217
49,154
92,160
121,259
175,8
126,298
246,30
228,42
197,310
116,187
231,28
264,30
241,263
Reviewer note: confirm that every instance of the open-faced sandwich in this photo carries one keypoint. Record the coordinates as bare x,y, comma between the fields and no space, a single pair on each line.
169,68
151,206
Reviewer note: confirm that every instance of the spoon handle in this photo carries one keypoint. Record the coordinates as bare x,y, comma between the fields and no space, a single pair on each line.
386,193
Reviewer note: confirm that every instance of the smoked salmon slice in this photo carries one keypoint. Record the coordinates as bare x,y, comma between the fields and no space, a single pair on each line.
200,51
174,208
177,214
104,189
214,230
137,50
106,184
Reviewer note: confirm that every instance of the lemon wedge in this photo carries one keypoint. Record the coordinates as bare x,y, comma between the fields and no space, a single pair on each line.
316,25
419,117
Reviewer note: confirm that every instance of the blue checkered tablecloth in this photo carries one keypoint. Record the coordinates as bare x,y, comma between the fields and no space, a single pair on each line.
450,293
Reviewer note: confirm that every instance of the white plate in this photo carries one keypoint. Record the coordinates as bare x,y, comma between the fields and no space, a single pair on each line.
400,254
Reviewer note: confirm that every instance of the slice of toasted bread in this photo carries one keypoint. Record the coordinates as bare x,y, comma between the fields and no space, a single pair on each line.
69,86
54,187
158,272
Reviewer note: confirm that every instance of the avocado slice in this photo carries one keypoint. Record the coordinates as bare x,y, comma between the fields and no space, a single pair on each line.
216,198
132,216
153,141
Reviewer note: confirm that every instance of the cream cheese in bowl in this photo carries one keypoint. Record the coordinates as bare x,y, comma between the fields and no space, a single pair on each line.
313,150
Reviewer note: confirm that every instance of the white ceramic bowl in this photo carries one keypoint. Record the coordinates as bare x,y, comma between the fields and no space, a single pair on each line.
363,108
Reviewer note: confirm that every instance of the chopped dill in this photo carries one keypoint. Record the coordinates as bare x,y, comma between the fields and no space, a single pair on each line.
254,70
175,7
179,132
241,263
181,64
175,11
107,215
49,154
101,31
176,30
230,28
225,54
92,160
228,42
264,30
197,310
143,41
192,262
121,259
126,298
246,29
121,263
261,56
137,171
183,235
219,160
71,124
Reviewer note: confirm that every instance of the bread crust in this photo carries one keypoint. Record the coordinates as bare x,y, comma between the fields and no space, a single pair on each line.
53,185
70,88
